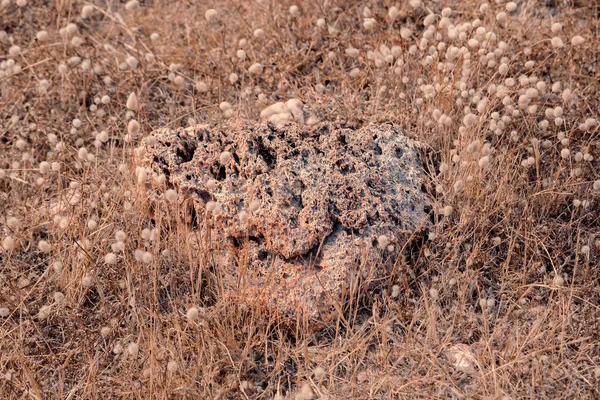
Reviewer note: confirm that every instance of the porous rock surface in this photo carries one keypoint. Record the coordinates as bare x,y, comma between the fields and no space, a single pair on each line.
327,193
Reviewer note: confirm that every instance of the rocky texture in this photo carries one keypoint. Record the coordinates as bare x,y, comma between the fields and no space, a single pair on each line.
330,198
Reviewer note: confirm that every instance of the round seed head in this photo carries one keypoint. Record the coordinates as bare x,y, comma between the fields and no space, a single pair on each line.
557,42
429,20
585,250
395,291
558,280
44,246
133,349
118,348
133,127
556,27
254,205
110,258
171,195
484,161
86,11
577,40
172,366
192,313
256,69
43,312
225,157
42,36
14,50
147,258
201,87
132,102
44,167
210,206
305,392
382,242
352,52
132,62
8,243
211,15
132,5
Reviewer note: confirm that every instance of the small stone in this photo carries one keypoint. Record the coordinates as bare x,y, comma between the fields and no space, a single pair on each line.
462,358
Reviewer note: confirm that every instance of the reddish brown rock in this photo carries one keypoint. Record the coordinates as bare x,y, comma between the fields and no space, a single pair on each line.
327,194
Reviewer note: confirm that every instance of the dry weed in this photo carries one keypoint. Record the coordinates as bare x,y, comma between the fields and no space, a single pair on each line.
102,294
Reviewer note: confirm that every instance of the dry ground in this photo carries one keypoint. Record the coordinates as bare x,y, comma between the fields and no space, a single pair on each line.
499,299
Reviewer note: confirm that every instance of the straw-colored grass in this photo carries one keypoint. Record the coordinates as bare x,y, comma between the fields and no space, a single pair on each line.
105,295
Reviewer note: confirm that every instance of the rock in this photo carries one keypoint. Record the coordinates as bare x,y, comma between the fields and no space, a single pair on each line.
330,198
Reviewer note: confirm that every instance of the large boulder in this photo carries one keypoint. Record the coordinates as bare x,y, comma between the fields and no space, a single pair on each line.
295,211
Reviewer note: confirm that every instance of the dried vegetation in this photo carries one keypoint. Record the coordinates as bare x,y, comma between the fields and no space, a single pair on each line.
102,294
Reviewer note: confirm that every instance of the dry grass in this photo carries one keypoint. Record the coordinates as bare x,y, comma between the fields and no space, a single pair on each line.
499,300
